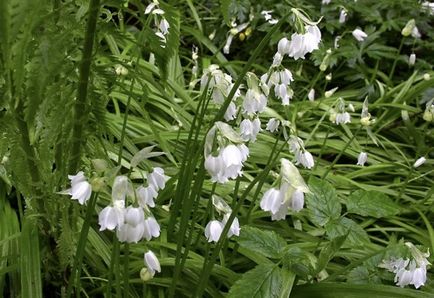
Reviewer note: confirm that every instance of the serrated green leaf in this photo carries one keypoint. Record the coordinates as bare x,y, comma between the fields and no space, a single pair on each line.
344,290
267,243
361,275
371,203
265,280
356,235
322,203
329,251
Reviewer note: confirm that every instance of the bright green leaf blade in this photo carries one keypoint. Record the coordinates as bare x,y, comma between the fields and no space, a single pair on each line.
371,203
356,235
342,290
267,243
322,203
265,280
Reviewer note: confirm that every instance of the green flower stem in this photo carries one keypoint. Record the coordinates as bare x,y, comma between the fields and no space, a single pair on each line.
210,261
81,107
74,278
392,71
340,153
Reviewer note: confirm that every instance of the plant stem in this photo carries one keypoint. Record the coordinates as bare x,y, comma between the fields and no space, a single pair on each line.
81,108
392,71
76,268
340,154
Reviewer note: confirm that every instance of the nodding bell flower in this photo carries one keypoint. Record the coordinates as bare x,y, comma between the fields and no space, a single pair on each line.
409,271
311,95
249,129
301,44
272,125
218,82
343,16
151,228
412,59
365,117
359,35
213,230
146,195
235,226
80,189
419,162
112,216
131,230
290,195
157,178
281,81
255,99
342,117
152,263
302,156
234,31
160,22
361,160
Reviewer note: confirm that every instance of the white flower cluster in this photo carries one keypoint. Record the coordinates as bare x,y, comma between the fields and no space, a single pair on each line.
342,116
280,79
219,84
302,156
288,195
133,223
409,271
160,21
300,44
214,228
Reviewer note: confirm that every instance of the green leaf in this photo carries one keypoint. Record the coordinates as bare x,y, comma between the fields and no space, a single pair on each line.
356,235
31,282
344,290
265,280
322,203
361,275
266,243
224,7
371,203
329,251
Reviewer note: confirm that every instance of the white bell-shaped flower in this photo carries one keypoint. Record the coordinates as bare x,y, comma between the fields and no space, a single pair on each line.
146,196
213,230
305,158
132,229
129,233
112,216
215,167
359,35
151,262
254,102
271,200
231,112
80,189
419,162
272,125
361,160
157,178
151,228
297,200
249,129
235,226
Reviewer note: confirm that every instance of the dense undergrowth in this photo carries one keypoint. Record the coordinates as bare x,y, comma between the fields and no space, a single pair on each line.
121,90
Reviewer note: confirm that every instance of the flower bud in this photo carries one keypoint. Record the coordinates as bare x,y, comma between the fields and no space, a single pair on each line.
120,70
426,76
412,59
145,275
97,183
406,31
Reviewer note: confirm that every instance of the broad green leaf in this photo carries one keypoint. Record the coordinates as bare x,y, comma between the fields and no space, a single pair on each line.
343,226
329,251
344,290
361,275
371,203
265,280
267,243
322,202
